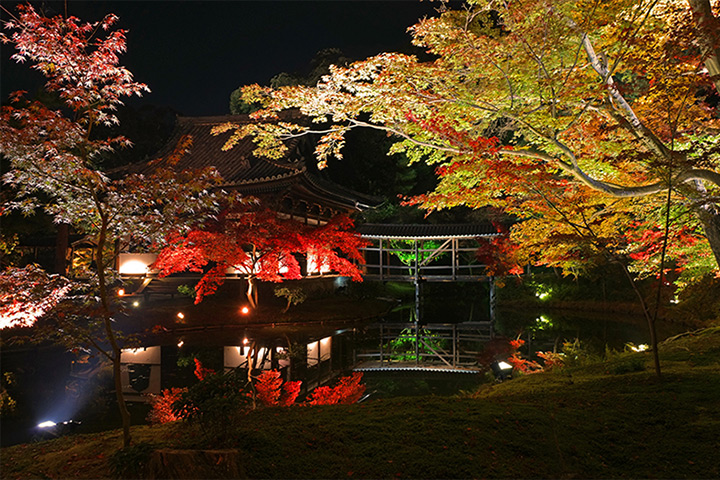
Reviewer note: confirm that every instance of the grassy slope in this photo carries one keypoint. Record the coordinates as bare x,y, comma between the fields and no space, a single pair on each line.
580,422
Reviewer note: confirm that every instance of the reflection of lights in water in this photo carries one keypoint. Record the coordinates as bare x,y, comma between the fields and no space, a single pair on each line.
134,351
542,322
543,292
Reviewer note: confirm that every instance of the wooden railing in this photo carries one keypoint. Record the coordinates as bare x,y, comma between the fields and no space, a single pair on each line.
439,345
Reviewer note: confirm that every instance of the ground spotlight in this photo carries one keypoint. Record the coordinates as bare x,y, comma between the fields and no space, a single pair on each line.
245,310
49,429
501,370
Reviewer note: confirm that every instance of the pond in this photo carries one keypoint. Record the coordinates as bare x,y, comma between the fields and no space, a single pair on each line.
54,384
546,329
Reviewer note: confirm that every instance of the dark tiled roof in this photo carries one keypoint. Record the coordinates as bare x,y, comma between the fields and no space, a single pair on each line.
370,230
257,175
238,165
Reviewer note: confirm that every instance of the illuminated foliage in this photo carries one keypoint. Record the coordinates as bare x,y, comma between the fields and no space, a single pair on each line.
29,293
53,162
202,372
348,390
272,391
260,245
294,296
161,406
562,113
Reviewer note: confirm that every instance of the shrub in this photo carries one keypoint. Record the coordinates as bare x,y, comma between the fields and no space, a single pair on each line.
215,404
347,391
576,354
291,390
552,360
267,387
632,364
161,406
130,462
271,391
521,364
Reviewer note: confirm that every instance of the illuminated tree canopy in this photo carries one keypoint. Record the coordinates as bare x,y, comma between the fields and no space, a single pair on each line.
258,244
566,114
53,164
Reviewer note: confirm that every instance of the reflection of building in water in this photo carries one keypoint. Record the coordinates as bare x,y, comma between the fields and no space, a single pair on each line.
149,370
141,372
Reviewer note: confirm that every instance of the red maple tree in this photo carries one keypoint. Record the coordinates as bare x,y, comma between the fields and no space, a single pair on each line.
257,243
52,161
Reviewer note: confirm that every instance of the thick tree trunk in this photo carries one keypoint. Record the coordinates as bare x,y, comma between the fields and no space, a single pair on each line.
252,292
710,219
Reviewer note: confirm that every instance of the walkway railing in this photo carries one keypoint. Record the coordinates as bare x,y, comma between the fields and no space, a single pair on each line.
432,346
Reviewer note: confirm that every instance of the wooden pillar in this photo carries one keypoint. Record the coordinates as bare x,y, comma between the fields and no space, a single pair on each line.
354,347
382,339
454,249
454,345
380,254
417,343
62,243
492,302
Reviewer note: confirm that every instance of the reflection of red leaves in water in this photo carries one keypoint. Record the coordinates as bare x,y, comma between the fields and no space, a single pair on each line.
202,372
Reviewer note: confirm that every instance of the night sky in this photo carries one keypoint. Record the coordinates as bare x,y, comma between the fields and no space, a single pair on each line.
193,54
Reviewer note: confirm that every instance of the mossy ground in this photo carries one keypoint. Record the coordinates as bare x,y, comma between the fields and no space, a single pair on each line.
591,421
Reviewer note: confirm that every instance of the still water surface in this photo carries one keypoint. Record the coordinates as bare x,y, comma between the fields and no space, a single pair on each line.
45,388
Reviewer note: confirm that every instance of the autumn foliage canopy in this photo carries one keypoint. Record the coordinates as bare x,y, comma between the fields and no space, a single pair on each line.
258,243
575,117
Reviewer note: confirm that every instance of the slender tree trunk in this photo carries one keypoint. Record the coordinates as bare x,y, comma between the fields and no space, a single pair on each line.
107,319
649,318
